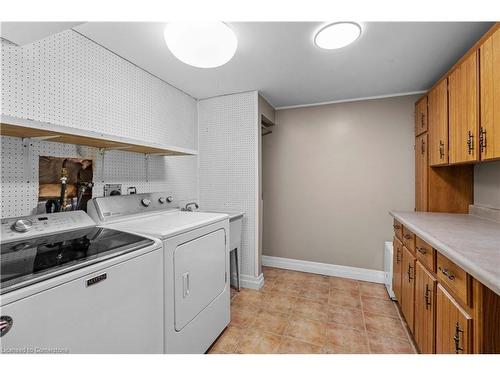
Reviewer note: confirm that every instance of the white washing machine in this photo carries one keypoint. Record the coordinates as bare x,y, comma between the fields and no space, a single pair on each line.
196,263
68,286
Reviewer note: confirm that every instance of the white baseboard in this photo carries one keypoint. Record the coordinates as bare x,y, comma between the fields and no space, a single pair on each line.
251,282
362,274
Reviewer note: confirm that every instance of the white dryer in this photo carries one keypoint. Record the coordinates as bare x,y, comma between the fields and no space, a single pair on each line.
196,263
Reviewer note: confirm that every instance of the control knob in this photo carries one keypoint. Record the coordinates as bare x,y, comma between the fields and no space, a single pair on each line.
162,200
146,202
170,199
22,225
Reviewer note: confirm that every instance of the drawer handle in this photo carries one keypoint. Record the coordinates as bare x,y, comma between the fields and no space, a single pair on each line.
421,250
447,273
407,236
396,226
398,258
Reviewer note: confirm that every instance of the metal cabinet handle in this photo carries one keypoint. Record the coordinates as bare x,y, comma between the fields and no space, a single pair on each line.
456,338
482,140
447,273
396,226
470,142
421,250
441,149
427,297
407,236
398,259
422,147
409,272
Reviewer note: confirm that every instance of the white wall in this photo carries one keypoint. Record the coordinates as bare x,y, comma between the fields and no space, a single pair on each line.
228,165
487,184
68,80
331,173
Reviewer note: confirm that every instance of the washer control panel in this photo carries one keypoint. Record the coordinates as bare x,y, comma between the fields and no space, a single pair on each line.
17,228
106,209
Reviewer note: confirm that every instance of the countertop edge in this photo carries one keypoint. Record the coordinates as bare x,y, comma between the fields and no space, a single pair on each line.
484,277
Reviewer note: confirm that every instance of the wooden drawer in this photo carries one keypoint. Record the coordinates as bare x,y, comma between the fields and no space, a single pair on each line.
398,229
409,239
425,254
454,278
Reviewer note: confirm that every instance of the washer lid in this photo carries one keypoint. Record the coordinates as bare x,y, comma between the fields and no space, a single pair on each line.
26,262
169,223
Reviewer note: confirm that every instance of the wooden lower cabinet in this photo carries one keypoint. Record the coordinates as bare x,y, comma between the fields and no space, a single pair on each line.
453,325
408,287
397,262
425,310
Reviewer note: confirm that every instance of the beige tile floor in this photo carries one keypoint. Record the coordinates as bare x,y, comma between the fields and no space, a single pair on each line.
297,312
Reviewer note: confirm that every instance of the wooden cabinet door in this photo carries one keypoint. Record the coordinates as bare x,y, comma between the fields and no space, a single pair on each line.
489,132
425,312
397,262
408,287
453,325
421,116
421,173
463,111
438,124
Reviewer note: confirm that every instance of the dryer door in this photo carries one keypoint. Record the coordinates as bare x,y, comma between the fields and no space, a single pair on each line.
200,275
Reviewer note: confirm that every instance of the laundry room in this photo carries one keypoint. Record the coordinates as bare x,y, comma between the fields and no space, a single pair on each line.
251,186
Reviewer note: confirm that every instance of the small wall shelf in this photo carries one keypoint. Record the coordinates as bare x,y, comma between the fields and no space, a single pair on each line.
25,128
265,125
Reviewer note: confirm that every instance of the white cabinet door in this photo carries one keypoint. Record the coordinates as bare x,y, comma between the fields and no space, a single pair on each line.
200,275
118,309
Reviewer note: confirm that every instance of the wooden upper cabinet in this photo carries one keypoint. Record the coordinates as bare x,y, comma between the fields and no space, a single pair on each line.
421,116
463,111
408,287
438,124
453,325
425,310
489,132
421,173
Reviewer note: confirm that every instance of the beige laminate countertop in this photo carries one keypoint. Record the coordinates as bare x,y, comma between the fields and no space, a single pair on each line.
471,242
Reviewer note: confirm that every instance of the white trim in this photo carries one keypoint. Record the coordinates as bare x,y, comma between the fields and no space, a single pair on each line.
362,274
252,282
258,152
353,100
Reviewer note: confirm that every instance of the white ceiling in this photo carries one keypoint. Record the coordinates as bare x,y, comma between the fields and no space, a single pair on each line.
280,60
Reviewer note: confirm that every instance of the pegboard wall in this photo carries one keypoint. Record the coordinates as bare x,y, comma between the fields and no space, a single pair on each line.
176,174
68,80
228,159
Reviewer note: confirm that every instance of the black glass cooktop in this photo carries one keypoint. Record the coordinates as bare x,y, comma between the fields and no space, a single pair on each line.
28,261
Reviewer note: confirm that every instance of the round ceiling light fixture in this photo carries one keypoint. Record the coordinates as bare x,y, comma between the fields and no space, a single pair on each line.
337,35
201,44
